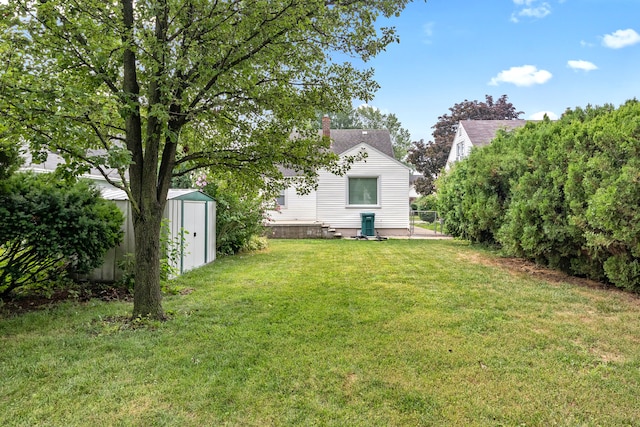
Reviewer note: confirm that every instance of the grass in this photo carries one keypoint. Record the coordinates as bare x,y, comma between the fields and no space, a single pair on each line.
433,226
334,333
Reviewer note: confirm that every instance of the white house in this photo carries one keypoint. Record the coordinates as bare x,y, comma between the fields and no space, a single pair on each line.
190,214
373,194
477,133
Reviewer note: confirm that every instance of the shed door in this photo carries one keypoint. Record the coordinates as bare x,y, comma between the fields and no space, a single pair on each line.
194,223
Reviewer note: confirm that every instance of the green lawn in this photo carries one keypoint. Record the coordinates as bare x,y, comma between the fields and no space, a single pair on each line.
334,333
433,226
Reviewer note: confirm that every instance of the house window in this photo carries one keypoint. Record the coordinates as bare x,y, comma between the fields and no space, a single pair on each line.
460,154
280,200
363,191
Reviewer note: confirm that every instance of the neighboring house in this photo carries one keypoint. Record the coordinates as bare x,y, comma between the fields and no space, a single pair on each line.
191,217
52,162
375,189
477,133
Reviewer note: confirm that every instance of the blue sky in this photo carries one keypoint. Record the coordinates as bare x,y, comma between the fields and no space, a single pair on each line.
545,55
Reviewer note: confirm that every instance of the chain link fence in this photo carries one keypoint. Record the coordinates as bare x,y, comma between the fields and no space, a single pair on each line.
429,220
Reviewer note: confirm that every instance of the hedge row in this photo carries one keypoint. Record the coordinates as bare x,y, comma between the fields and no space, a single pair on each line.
564,193
50,228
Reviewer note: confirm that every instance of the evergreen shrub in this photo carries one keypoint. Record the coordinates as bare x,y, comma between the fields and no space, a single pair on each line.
50,229
563,193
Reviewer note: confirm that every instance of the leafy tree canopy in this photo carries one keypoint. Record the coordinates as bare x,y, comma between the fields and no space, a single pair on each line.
10,159
160,88
431,157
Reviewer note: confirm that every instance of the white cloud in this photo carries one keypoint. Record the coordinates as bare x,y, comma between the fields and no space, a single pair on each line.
536,12
427,30
526,75
582,65
540,115
621,38
531,9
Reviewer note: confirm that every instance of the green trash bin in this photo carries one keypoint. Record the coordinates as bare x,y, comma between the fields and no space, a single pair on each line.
367,220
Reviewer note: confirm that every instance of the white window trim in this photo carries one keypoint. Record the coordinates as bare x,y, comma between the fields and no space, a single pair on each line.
378,189
461,150
284,197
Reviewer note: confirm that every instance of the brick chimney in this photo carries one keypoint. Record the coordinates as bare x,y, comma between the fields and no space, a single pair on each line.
326,126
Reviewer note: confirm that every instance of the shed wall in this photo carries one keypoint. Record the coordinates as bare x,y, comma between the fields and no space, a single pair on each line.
200,218
109,271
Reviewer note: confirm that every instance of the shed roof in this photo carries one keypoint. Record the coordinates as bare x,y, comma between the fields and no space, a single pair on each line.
174,194
188,194
482,132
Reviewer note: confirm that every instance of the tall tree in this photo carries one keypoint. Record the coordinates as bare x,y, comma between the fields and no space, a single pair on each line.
431,157
372,118
340,120
160,88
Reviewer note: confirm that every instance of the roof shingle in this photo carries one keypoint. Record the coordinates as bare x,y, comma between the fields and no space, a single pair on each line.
482,132
345,139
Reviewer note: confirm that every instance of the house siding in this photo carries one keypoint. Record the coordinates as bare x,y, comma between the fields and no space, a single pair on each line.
392,210
460,148
296,207
477,133
328,207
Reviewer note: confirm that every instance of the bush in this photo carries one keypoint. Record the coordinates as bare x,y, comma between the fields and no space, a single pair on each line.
239,215
51,229
255,243
475,195
426,205
564,194
536,224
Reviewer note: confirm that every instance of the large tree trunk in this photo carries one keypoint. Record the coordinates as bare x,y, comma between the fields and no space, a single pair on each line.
147,297
149,195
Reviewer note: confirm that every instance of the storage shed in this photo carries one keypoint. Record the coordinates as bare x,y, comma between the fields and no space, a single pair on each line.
190,214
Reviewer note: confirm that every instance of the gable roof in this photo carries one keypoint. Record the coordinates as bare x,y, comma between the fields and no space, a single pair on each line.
482,132
362,146
345,139
54,160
